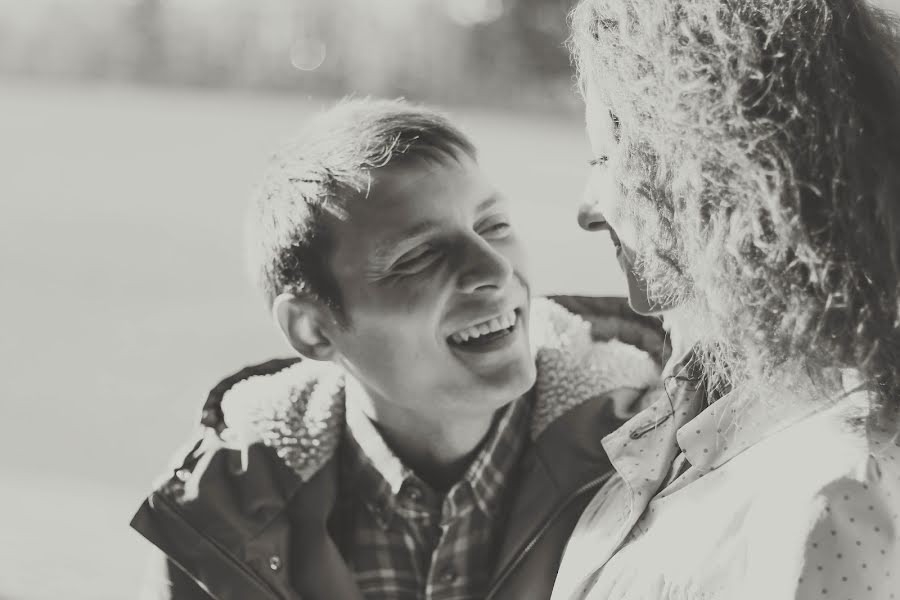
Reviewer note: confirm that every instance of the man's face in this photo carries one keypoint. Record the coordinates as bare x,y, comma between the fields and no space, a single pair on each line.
433,287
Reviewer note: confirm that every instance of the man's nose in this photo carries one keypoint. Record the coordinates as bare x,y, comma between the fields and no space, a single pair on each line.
589,216
483,268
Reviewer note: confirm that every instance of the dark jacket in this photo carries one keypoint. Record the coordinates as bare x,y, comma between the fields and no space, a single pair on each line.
246,515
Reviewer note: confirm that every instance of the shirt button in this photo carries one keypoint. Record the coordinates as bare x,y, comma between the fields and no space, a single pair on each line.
414,494
275,562
380,515
183,475
448,576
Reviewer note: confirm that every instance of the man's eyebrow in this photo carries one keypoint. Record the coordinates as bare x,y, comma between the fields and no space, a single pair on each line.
387,246
488,203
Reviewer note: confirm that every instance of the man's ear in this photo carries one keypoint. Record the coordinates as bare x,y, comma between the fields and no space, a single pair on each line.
304,323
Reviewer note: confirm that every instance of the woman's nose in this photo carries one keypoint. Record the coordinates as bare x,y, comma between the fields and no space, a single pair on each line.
589,216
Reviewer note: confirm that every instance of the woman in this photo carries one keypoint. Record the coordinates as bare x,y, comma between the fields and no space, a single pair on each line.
747,165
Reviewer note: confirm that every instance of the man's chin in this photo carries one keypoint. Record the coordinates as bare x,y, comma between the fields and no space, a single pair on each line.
505,384
517,379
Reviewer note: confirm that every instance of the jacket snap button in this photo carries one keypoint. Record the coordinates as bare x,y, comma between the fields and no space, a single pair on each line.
275,562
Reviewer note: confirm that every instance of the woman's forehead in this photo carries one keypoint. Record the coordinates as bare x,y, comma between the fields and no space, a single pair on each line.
599,121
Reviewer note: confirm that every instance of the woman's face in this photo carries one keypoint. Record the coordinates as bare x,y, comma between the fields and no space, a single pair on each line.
605,209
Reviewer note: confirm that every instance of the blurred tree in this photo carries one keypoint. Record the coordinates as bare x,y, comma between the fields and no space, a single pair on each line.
475,51
539,29
146,22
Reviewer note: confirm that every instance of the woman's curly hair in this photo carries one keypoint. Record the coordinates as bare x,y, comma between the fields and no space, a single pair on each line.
760,156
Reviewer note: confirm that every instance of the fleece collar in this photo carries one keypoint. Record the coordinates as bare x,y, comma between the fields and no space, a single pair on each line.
299,411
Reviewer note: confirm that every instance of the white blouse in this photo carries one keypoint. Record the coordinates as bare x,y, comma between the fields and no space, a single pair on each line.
792,493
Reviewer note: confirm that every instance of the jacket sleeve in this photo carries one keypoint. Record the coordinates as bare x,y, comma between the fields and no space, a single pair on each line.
164,580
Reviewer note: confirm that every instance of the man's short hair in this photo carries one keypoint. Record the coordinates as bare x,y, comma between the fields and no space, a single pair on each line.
313,177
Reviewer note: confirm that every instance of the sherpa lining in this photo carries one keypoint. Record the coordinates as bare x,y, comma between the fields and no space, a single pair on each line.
299,411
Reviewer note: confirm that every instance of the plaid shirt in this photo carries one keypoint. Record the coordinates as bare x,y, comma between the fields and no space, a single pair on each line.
406,542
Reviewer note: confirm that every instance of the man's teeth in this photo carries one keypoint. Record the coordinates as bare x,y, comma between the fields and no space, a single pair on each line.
500,323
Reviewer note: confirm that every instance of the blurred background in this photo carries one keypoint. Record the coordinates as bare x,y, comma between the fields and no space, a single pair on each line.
131,132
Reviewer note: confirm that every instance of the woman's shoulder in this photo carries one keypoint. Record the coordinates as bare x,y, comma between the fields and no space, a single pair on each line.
837,446
852,543
827,462
828,509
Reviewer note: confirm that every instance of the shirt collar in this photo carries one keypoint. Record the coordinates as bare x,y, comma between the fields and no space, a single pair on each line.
747,415
369,448
494,465
644,447
380,476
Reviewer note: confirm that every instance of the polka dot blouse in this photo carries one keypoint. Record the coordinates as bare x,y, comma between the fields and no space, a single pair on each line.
788,493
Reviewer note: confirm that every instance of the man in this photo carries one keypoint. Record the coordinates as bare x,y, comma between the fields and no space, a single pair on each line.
422,450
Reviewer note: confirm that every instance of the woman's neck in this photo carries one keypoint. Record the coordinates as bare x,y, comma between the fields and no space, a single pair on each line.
680,333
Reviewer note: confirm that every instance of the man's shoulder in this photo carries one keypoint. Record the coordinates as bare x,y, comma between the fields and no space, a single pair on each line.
611,317
577,367
264,431
291,412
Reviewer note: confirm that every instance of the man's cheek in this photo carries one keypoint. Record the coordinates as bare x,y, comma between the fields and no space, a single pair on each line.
518,256
390,304
404,298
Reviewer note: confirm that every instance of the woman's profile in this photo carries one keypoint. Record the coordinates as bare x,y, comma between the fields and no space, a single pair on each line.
746,163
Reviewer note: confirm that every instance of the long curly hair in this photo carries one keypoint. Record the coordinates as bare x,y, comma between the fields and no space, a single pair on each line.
760,158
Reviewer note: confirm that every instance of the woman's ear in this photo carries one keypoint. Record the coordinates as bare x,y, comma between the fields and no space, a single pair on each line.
303,321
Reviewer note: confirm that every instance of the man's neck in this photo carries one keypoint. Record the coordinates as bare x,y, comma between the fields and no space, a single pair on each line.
437,447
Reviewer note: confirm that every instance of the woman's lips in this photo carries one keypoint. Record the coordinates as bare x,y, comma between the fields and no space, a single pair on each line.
616,242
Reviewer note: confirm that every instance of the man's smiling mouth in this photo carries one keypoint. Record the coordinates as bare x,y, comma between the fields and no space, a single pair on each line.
486,331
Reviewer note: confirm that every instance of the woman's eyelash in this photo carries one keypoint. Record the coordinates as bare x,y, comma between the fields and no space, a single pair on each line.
599,161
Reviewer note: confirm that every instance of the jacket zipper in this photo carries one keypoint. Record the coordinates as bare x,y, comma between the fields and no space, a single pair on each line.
520,555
